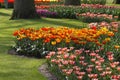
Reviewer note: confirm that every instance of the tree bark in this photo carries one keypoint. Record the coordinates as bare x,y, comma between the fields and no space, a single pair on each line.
6,3
24,9
117,1
72,2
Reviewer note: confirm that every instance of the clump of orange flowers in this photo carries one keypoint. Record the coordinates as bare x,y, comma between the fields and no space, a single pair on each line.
40,41
67,35
117,47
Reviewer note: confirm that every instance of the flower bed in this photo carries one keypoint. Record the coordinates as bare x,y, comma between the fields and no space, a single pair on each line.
113,26
98,6
81,64
32,42
102,2
80,54
92,17
46,13
70,11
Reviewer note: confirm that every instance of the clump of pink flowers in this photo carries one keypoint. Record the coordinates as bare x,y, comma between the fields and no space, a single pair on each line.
97,6
84,64
95,17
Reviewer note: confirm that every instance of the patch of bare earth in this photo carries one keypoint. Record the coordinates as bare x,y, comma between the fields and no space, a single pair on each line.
45,71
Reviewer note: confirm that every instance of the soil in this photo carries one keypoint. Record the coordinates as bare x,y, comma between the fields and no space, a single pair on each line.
44,71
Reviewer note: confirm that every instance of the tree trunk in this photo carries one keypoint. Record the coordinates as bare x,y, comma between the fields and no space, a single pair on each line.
24,9
72,2
117,1
6,3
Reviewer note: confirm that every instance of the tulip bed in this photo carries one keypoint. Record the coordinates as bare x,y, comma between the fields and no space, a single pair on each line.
92,17
88,53
38,42
47,13
102,2
97,62
70,11
83,64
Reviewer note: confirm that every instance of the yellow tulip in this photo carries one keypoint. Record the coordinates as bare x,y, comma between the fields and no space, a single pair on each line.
53,42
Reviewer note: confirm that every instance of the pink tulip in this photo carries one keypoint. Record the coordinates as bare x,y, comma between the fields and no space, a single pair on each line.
79,77
112,65
118,68
72,57
60,66
108,68
100,69
82,58
92,54
71,62
71,48
97,63
65,56
65,62
59,49
68,73
102,74
89,70
93,60
64,70
48,57
53,60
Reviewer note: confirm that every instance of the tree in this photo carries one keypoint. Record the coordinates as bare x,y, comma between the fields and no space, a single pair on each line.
24,9
6,3
72,2
116,1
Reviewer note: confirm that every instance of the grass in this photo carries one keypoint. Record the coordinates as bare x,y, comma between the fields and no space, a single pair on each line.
22,68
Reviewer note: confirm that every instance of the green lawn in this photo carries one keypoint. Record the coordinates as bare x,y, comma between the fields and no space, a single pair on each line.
20,68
